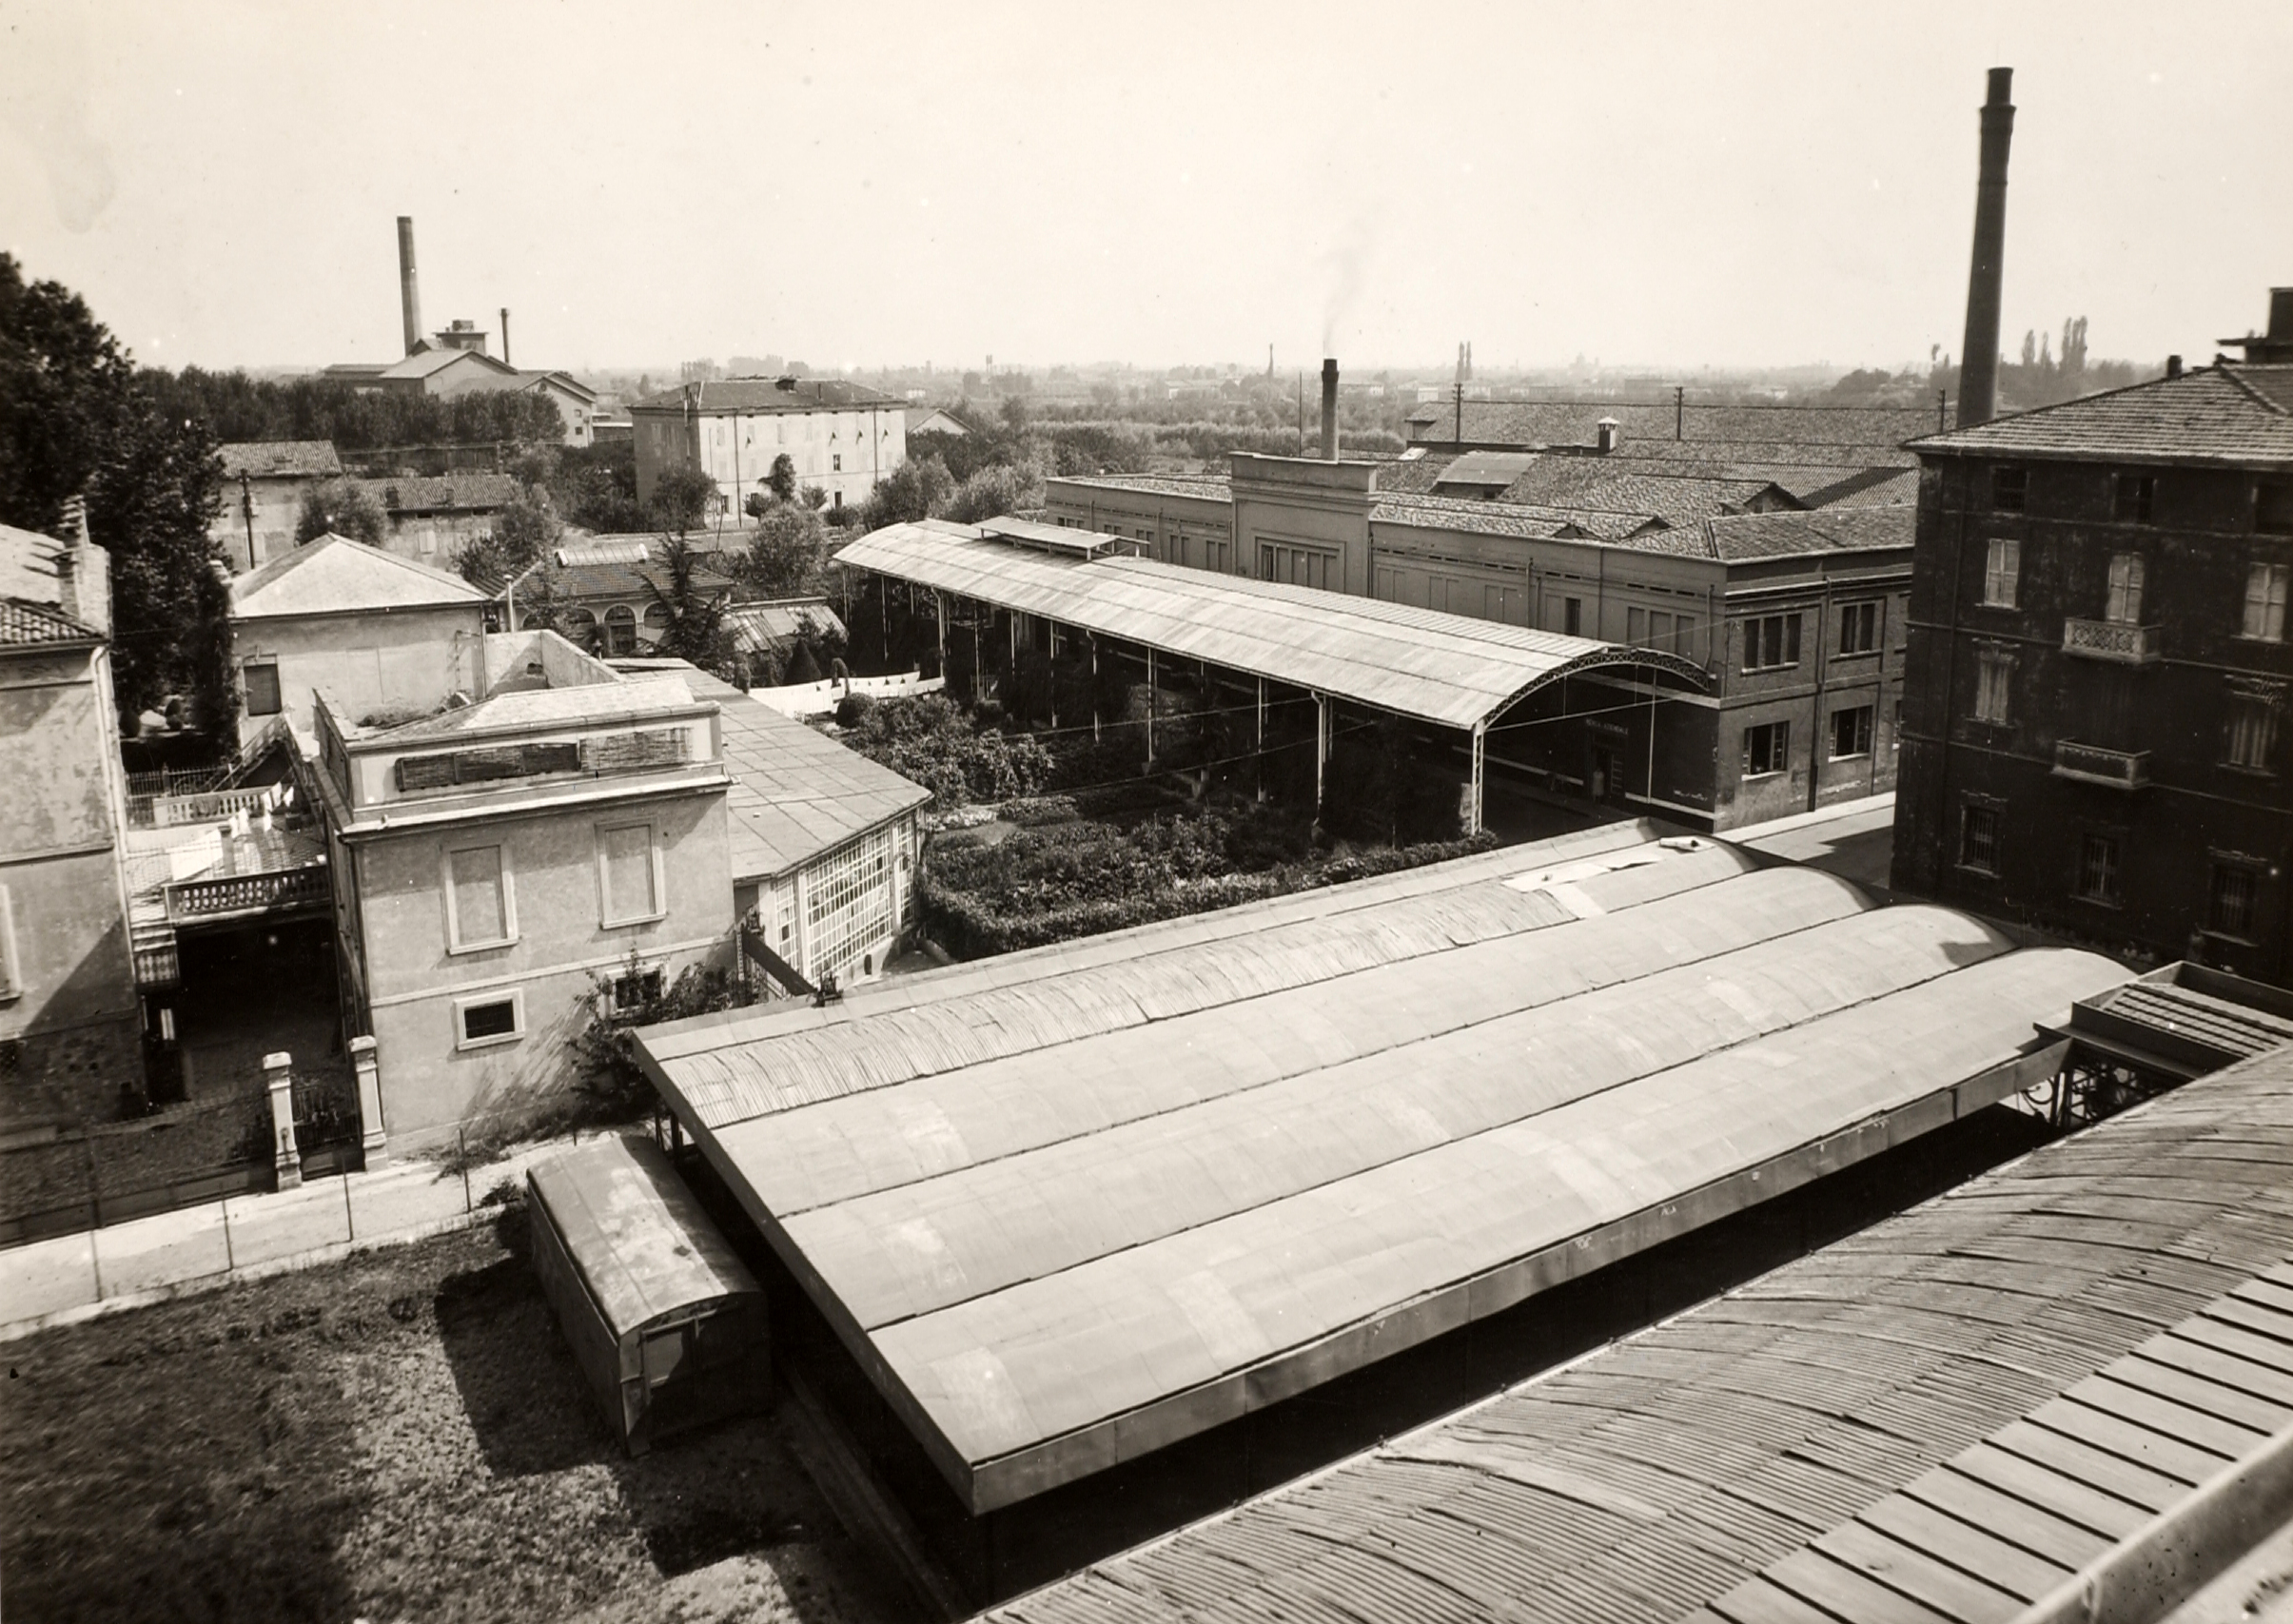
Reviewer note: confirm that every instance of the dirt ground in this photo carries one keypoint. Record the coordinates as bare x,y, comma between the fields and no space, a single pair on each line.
399,1436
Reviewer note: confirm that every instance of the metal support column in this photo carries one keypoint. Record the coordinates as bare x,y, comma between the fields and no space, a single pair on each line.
1150,705
1260,754
1094,685
1481,741
939,600
1321,749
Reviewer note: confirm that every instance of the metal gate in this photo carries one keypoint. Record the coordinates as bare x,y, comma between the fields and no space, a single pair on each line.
329,1135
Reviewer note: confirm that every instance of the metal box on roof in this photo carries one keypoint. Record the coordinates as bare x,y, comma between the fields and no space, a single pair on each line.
667,1324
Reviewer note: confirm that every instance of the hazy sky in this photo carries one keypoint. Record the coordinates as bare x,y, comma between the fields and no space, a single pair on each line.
873,181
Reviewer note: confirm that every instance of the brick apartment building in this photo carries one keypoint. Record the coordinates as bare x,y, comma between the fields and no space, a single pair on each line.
2094,712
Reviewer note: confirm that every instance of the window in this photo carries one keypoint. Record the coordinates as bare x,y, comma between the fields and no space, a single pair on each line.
1859,628
1571,616
484,1019
2273,507
1771,641
2098,869
621,631
1767,748
2125,608
633,990
2131,500
2265,602
835,500
1683,637
2252,742
1652,628
1978,839
1850,732
657,617
1993,673
2009,489
835,463
1298,566
580,627
2002,572
262,689
480,908
629,875
2231,909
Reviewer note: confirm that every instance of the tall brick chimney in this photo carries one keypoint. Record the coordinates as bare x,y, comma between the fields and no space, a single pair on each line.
1978,357
410,309
1329,409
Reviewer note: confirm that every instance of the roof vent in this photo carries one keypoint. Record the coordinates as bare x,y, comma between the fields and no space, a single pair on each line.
1607,427
458,700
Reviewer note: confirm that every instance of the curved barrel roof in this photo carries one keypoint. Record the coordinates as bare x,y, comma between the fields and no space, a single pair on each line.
1434,667
1068,1219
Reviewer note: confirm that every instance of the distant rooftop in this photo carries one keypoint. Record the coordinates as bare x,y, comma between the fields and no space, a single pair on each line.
279,459
337,576
769,395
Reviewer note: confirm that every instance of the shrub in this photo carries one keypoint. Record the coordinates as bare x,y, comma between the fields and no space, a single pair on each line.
1032,811
852,709
929,740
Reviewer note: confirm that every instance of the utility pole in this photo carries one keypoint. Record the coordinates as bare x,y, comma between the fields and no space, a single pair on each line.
1679,411
1302,414
247,508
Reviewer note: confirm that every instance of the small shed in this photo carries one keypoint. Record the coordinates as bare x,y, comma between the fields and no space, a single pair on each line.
666,1322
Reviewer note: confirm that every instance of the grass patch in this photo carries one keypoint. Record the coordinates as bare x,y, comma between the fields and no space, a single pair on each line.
400,1435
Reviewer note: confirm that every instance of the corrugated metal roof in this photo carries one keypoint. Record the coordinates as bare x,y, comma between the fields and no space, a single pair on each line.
1413,662
797,793
335,574
1878,1400
1073,1219
642,1245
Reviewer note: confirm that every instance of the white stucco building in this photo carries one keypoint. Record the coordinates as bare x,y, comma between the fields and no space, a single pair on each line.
842,437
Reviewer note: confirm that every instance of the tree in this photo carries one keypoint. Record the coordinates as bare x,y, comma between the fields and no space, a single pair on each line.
697,629
781,481
683,497
526,527
993,492
78,417
914,490
813,497
1014,413
341,507
784,559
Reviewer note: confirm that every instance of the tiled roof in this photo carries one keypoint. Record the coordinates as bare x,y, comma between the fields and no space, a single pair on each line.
444,492
1590,483
335,574
561,380
797,793
1413,476
1473,515
1743,536
766,394
279,459
2240,415
1574,423
426,363
24,624
1498,468
1653,1477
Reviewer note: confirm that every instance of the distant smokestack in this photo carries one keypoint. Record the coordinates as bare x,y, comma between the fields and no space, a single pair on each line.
2173,366
1329,409
410,307
505,336
1978,366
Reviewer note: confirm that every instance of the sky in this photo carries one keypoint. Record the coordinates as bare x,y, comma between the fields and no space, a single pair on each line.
875,182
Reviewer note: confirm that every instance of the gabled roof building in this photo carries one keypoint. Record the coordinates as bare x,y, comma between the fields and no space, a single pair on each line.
842,437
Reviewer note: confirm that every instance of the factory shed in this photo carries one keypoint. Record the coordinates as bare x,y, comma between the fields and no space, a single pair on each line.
665,1322
1069,1209
1995,1406
1041,587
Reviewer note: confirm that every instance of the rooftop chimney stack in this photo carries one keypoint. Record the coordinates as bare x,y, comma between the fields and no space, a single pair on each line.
1978,366
505,336
1329,409
409,302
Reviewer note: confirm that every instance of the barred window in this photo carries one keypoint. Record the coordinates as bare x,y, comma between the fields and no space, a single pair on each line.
2231,909
1978,838
2098,864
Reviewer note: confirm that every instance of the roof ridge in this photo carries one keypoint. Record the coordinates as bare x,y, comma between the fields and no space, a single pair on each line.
2249,391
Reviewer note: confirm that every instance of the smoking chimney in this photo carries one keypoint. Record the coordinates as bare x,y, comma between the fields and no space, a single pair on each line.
1979,374
409,302
505,336
1329,409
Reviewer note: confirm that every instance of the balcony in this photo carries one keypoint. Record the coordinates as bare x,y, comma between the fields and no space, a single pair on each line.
227,895
2111,641
2092,764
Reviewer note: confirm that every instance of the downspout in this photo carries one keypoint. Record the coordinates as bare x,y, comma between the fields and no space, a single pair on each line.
1823,618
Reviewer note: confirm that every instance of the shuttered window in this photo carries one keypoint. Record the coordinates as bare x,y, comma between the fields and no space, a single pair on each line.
2126,588
2002,572
478,910
627,872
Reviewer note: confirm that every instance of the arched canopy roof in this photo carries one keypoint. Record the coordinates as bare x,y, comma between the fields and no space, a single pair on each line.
1422,663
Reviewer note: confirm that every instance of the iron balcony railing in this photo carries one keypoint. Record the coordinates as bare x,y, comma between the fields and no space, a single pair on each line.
2111,640
2093,764
246,893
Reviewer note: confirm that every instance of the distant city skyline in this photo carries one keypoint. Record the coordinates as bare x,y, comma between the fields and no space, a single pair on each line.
1766,185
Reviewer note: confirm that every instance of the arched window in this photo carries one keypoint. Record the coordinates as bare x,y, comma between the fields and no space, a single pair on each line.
580,628
657,618
621,631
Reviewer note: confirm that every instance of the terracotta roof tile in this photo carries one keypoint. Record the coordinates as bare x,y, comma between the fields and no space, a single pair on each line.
2225,414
